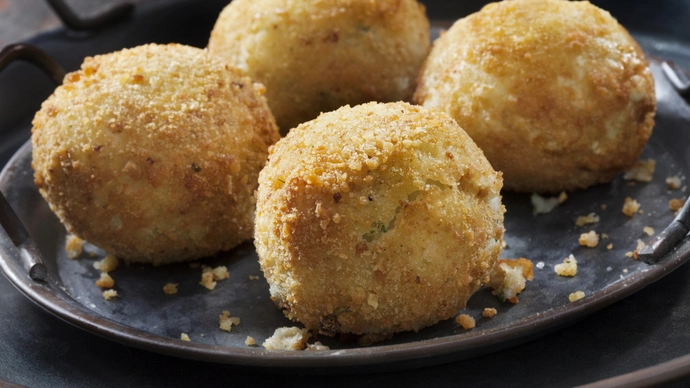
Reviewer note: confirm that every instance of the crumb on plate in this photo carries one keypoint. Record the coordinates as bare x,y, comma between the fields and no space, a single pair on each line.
109,263
673,182
105,281
317,346
589,239
250,341
575,296
568,268
590,218
545,205
508,278
226,321
648,230
170,288
73,246
185,337
642,171
489,312
109,294
287,338
630,206
676,204
466,321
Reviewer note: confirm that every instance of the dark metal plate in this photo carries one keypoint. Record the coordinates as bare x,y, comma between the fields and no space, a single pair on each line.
143,316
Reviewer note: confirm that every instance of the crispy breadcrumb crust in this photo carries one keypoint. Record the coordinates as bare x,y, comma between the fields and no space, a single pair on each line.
556,93
153,153
377,219
316,56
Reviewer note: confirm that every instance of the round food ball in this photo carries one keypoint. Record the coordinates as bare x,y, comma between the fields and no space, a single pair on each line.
556,93
316,56
377,219
153,153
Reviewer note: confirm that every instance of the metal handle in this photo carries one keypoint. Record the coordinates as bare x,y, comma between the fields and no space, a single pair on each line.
679,78
74,22
28,251
665,241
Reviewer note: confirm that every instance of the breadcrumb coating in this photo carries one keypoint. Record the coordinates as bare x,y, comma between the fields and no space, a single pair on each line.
316,56
153,153
556,93
377,219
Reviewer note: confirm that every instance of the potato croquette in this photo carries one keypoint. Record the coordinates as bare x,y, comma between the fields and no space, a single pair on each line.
153,153
556,93
377,219
316,56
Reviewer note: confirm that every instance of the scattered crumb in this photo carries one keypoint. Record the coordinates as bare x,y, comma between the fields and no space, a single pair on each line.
575,296
673,182
630,206
540,265
109,263
210,276
609,269
590,218
489,312
202,334
676,204
250,341
105,281
640,244
609,247
466,321
508,278
317,346
545,205
642,171
253,277
287,338
170,288
368,339
109,294
603,206
590,239
74,246
194,264
184,337
625,270
504,244
629,254
648,230
604,236
226,321
568,267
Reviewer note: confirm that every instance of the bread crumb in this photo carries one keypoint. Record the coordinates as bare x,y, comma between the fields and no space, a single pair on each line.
250,341
604,236
648,230
540,265
568,267
317,346
226,321
625,270
466,321
590,218
590,239
210,276
170,288
105,281
629,254
185,337
109,263
575,296
109,294
253,277
630,206
603,206
287,338
508,278
545,205
609,247
642,171
676,204
489,312
640,245
673,182
74,246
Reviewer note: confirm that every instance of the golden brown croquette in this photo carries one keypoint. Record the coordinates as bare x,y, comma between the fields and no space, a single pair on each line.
377,219
153,153
556,93
316,56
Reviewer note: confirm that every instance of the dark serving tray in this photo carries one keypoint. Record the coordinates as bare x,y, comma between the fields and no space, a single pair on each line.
146,318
